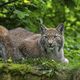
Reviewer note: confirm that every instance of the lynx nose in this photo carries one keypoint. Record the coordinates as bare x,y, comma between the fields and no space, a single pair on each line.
50,44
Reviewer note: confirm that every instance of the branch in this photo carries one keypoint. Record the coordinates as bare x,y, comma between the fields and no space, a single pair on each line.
6,3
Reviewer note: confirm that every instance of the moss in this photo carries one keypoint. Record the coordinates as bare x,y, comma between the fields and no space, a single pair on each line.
44,70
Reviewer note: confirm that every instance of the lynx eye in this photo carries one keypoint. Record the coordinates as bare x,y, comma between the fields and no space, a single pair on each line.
58,38
55,36
45,36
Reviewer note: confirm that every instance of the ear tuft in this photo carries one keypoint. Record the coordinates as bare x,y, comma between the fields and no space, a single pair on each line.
60,28
42,29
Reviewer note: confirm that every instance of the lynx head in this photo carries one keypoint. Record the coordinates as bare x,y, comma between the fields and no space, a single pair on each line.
52,41
52,37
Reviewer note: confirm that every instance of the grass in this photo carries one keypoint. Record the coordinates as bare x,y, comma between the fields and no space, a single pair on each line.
47,68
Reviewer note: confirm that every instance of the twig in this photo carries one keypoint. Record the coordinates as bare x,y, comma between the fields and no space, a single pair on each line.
6,3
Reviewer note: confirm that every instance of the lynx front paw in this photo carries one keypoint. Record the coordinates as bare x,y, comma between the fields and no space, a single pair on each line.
65,60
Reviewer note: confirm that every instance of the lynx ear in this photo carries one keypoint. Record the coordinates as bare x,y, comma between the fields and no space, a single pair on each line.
43,29
60,28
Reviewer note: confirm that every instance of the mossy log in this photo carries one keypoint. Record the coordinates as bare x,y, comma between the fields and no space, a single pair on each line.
10,71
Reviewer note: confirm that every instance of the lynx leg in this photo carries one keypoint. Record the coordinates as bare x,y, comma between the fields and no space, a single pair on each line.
17,57
3,52
63,60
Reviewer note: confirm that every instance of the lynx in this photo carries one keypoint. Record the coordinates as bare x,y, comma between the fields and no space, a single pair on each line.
50,44
6,46
20,43
9,42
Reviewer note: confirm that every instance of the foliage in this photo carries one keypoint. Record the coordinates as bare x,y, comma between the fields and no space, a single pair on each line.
49,71
26,13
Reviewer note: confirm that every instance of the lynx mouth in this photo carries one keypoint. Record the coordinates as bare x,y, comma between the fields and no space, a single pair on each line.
51,47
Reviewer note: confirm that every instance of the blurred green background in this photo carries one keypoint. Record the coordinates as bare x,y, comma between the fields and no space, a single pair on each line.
26,13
